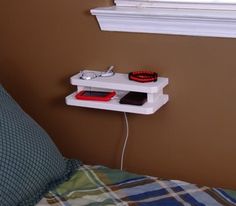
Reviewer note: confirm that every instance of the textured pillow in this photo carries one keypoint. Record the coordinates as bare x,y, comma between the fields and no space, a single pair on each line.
30,163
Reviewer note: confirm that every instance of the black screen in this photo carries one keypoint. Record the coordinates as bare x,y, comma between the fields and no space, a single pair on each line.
95,94
134,98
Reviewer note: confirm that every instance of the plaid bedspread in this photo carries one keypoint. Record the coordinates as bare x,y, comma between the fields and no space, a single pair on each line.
97,185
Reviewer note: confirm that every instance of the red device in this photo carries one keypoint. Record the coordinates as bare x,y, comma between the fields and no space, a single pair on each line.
95,95
143,76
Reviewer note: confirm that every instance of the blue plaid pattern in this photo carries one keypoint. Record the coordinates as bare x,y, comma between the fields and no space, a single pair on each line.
30,163
98,185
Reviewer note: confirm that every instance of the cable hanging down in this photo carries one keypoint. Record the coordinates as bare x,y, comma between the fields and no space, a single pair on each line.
125,142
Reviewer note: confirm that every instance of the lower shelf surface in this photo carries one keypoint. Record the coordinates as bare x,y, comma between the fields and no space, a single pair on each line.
114,105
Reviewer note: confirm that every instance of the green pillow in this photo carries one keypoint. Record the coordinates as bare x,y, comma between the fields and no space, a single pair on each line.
30,163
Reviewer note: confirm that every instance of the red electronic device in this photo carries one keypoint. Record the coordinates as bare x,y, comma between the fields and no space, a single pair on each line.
95,95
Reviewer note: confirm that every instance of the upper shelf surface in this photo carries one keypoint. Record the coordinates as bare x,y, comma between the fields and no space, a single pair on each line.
120,81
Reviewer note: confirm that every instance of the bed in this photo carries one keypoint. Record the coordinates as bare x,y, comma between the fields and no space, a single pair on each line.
99,185
34,172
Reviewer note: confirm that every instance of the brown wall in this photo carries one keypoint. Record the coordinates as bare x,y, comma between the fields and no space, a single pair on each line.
193,137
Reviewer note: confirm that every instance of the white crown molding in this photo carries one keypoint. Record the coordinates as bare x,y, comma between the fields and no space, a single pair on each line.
167,20
191,4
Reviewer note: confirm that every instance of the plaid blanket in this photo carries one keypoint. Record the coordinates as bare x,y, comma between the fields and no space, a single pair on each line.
98,185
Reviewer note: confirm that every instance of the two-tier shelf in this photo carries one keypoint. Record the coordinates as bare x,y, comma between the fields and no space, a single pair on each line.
122,85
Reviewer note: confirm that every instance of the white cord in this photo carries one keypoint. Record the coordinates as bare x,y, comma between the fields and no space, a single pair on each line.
125,143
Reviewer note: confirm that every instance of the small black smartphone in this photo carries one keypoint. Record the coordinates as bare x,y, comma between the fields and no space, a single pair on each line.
134,98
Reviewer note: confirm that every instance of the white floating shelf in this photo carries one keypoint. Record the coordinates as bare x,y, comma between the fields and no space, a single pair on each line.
114,105
120,81
122,85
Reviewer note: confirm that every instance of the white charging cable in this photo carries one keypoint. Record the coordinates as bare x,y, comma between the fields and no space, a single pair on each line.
125,142
108,73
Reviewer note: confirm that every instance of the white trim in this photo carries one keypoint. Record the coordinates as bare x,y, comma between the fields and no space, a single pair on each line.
191,4
169,19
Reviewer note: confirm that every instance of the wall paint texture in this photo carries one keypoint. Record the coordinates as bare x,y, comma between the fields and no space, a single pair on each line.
193,137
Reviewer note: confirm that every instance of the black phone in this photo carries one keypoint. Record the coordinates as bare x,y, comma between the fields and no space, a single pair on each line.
134,98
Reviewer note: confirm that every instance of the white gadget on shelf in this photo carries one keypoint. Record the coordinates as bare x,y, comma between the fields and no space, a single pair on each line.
85,75
88,75
108,73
